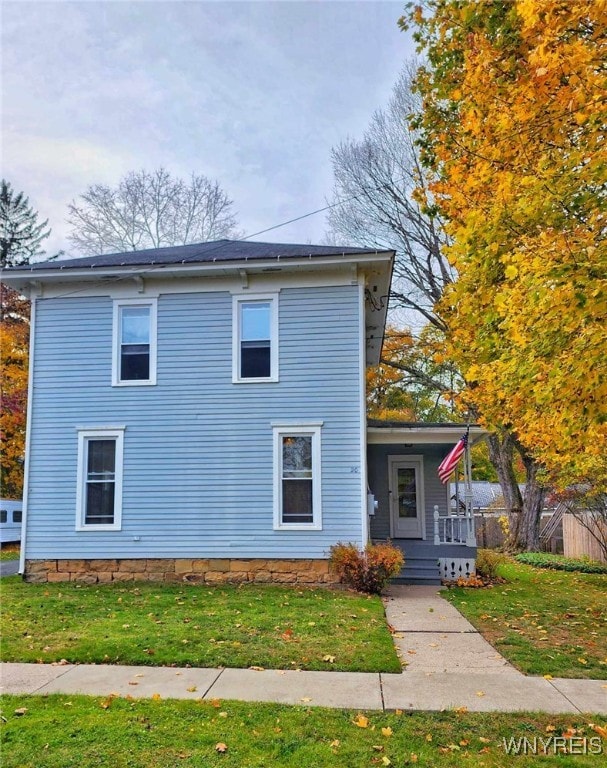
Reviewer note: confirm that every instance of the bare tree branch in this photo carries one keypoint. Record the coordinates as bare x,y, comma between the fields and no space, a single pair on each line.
150,210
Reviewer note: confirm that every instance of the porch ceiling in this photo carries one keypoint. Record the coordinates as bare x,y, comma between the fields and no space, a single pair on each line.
415,433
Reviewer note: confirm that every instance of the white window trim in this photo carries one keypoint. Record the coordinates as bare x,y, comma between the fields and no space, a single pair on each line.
153,305
99,433
237,300
309,429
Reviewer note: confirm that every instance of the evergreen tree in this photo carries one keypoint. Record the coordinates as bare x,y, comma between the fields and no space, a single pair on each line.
20,233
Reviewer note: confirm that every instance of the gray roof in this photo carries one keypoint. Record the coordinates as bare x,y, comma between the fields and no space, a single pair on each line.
199,253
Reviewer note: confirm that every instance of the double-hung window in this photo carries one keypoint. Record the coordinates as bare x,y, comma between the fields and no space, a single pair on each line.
134,342
99,492
255,338
297,466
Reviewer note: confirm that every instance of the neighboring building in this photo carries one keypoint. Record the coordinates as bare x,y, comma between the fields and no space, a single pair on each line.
11,517
198,413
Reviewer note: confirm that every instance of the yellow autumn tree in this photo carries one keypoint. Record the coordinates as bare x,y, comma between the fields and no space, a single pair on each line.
514,126
14,338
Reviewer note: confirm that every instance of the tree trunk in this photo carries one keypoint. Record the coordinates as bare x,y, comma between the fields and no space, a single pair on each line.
524,511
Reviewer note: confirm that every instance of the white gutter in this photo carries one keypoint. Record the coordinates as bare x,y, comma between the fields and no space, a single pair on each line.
28,431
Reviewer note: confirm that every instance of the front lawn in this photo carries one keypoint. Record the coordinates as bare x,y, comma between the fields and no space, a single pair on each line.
61,731
173,624
545,622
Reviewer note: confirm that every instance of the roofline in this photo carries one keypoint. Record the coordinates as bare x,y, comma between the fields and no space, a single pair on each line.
422,433
21,276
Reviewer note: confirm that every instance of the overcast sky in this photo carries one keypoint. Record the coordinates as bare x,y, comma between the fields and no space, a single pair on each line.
253,94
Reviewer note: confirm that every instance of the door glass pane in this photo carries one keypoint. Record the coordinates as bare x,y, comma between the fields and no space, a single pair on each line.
135,325
407,492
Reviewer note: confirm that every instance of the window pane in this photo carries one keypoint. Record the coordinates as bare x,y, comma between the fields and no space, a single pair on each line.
17,516
3,516
135,325
255,321
101,459
407,492
297,501
297,456
134,362
99,503
255,360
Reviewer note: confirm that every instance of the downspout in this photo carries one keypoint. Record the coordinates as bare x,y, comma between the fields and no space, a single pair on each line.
28,431
363,411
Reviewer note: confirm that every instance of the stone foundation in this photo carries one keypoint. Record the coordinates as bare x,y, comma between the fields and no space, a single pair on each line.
193,571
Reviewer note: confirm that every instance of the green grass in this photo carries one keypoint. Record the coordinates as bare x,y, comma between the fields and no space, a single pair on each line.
166,624
66,731
9,552
545,622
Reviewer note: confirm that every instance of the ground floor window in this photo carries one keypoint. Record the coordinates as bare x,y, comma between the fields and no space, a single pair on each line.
297,480
99,493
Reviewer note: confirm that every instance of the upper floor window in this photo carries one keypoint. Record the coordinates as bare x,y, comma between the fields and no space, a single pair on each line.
99,492
255,338
134,342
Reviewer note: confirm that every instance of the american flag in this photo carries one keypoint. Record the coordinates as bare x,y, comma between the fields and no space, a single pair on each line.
449,463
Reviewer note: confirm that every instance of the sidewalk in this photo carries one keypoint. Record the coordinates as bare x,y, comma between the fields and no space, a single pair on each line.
449,665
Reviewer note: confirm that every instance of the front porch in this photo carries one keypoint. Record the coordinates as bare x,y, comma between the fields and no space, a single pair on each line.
413,508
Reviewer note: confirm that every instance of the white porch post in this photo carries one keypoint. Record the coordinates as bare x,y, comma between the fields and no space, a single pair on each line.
436,534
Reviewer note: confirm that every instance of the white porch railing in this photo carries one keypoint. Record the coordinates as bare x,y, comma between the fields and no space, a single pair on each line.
454,529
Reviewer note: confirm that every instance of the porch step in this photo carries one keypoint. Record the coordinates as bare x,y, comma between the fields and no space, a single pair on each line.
419,570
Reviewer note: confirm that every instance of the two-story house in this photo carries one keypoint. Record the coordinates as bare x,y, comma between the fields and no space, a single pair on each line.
198,413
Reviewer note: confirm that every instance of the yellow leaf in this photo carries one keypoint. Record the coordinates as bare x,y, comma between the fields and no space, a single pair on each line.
413,757
192,688
386,731
428,737
600,729
361,721
306,698
480,693
257,669
221,747
378,748
21,711
511,271
582,661
386,760
335,743
330,659
547,677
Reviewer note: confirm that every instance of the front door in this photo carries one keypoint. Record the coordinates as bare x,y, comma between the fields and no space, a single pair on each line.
406,497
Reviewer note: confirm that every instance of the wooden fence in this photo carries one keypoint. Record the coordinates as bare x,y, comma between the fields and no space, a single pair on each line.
577,540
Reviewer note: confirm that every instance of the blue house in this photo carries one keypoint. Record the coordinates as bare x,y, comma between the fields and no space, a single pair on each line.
197,413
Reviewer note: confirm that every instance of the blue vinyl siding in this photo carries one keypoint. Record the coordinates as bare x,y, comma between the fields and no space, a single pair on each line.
198,459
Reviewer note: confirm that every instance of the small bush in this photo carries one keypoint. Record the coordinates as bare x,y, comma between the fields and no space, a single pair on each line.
560,563
487,562
367,570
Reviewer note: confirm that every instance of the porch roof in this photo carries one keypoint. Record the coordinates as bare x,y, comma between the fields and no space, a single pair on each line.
418,433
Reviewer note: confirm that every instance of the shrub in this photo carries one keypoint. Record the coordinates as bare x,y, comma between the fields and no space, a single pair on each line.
367,570
560,563
487,562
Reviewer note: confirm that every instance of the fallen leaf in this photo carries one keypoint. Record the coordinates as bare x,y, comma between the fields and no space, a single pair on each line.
413,757
582,661
461,710
361,721
335,743
600,729
386,760
550,728
257,669
547,677
156,697
428,737
225,714
221,747
378,748
480,693
386,731
192,688
132,682
21,711
216,702
306,699
330,659
484,740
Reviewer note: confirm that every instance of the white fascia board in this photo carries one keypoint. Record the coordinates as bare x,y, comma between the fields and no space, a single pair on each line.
23,278
422,435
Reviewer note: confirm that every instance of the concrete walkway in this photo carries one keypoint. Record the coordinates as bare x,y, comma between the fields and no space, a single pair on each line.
449,665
